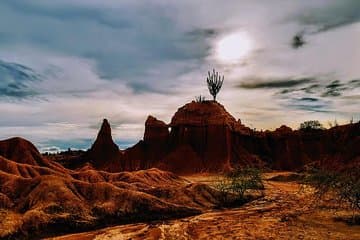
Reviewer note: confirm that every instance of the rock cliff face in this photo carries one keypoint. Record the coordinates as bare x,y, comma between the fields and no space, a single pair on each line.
148,152
206,129
285,149
204,137
198,139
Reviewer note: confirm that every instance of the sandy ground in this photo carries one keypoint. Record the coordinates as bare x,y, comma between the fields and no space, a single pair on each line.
286,212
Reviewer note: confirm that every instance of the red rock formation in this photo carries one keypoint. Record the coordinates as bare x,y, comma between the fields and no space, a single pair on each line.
156,141
284,149
155,130
37,197
183,160
206,113
21,151
104,153
215,141
205,127
204,137
39,201
148,152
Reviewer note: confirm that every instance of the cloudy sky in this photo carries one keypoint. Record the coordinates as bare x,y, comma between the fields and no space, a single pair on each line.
67,64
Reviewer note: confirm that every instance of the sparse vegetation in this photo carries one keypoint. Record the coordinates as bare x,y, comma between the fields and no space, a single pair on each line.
333,124
343,186
200,99
214,82
311,125
235,184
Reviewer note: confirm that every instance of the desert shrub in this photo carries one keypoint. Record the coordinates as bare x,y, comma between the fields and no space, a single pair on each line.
234,185
311,125
200,99
343,185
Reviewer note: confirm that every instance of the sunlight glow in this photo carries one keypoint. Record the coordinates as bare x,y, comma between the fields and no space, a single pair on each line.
233,47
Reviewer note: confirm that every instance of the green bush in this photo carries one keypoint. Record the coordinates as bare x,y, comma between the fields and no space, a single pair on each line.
235,184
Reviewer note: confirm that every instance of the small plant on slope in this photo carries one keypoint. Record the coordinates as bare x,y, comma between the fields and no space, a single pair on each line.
344,187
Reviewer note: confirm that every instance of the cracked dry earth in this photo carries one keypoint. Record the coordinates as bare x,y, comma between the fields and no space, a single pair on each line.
285,212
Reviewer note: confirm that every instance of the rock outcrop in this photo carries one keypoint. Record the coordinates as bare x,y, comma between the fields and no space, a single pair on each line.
204,137
206,128
285,149
104,154
198,139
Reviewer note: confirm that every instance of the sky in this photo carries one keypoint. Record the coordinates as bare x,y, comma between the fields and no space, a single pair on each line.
67,64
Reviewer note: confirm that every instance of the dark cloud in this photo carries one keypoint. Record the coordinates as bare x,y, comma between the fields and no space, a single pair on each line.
313,88
309,99
316,94
69,13
125,42
15,91
321,108
332,16
355,83
15,79
275,83
202,33
323,88
334,89
310,104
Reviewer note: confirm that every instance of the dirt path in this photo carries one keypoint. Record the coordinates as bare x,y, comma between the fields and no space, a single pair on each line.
284,213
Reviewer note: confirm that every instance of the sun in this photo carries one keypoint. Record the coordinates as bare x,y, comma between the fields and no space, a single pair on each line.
233,47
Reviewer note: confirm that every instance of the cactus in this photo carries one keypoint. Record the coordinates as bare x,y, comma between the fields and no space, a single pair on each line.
214,82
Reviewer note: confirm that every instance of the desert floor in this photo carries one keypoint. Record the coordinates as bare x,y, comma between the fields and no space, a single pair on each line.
287,211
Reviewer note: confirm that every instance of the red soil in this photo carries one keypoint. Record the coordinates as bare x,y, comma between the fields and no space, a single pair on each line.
38,198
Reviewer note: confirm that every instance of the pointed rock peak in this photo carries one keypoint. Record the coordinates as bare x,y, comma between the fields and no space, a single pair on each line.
104,152
104,135
105,129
